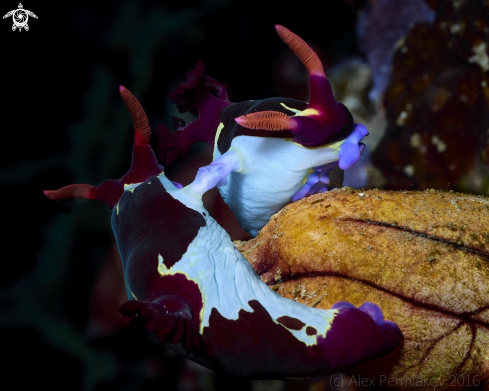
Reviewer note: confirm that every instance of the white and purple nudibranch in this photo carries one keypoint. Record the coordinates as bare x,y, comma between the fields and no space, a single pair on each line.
271,151
191,288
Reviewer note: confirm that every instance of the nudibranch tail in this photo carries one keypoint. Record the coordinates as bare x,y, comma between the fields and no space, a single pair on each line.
143,166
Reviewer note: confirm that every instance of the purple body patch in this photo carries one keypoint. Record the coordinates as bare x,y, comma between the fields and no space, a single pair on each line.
239,348
168,228
291,323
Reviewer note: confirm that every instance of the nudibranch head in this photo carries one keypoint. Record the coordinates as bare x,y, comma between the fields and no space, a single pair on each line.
323,121
144,164
320,122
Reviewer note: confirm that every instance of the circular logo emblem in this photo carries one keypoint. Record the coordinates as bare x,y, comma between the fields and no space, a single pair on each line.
20,16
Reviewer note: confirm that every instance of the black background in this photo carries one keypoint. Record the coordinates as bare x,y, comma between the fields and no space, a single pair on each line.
63,122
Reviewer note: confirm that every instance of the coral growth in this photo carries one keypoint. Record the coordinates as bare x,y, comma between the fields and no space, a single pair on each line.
421,255
437,103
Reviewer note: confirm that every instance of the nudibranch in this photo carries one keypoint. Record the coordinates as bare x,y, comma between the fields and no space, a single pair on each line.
193,290
275,150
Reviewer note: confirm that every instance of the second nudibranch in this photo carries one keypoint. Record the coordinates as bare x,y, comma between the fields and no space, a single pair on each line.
274,150
191,288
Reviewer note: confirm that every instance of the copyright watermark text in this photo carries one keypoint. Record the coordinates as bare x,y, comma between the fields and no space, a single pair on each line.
342,381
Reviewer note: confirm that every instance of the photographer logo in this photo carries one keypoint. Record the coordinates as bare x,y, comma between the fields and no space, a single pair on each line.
20,16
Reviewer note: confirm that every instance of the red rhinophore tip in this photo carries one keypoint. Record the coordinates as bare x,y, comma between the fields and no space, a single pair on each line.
139,118
302,50
267,120
72,192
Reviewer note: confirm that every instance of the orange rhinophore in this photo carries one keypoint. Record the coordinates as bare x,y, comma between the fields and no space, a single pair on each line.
139,119
72,192
302,50
267,120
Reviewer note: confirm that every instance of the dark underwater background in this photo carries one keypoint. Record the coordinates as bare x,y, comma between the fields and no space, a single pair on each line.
414,72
